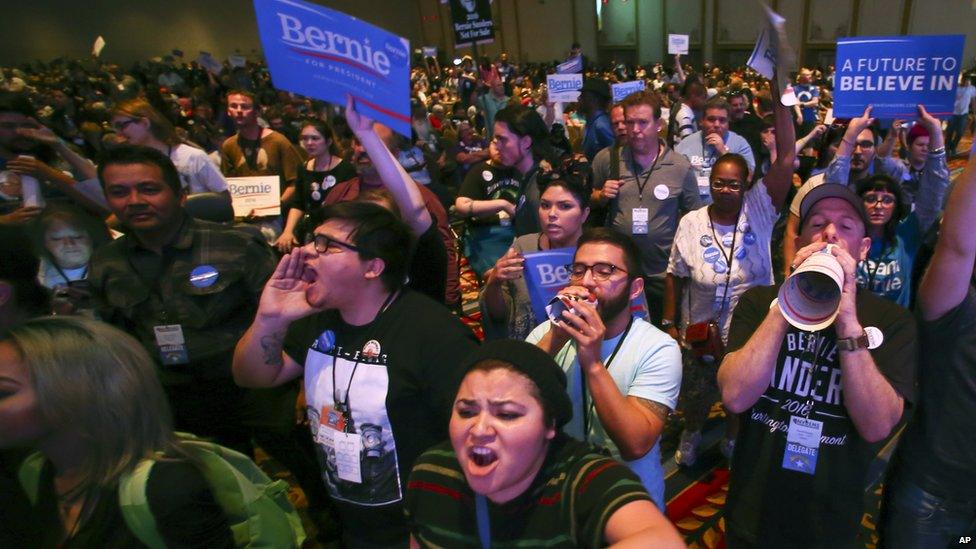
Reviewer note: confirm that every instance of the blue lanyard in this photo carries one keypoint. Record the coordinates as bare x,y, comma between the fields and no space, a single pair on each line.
484,526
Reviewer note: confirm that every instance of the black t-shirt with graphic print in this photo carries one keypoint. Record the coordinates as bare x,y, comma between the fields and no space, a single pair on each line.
488,182
773,506
396,377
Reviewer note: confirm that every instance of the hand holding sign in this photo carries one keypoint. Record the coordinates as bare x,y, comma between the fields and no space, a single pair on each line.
508,266
358,123
856,126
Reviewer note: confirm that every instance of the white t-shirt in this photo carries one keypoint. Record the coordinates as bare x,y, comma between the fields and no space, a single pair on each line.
197,173
964,96
648,366
698,257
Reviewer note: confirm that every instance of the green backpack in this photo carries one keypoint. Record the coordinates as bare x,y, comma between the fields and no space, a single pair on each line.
257,508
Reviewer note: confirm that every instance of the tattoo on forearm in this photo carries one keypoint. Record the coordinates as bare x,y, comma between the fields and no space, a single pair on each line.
271,346
656,408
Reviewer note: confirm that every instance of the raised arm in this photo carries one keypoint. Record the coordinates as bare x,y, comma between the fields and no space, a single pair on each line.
934,180
780,175
259,358
949,275
396,179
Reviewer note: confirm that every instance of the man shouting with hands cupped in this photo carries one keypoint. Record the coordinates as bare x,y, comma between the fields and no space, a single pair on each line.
379,361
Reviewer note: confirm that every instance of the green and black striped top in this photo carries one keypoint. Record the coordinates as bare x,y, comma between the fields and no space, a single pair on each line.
568,504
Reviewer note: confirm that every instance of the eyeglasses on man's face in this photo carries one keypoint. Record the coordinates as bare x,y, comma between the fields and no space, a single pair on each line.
324,243
601,271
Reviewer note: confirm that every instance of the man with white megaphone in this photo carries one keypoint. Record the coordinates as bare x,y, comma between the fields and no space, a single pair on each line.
820,381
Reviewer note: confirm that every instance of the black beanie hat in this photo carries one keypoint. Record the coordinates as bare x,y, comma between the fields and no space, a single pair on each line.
535,364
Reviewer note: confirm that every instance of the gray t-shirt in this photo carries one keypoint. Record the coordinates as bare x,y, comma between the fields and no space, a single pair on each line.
670,191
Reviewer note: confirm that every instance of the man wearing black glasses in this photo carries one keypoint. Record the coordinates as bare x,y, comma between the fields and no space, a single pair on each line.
623,373
379,361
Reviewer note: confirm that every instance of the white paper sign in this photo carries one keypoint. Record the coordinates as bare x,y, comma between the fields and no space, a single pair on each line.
677,43
623,89
564,87
237,60
429,51
98,46
773,53
259,194
207,61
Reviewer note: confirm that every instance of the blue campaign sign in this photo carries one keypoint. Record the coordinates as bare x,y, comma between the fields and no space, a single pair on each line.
326,54
545,275
623,89
896,73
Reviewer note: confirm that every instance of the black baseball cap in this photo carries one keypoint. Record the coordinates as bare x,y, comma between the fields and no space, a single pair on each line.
832,190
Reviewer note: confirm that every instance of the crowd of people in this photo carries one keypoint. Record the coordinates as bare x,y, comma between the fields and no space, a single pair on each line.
136,307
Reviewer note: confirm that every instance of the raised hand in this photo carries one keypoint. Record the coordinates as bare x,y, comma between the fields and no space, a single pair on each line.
283,297
358,123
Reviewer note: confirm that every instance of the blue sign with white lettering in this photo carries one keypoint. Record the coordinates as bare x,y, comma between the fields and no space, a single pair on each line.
623,89
326,54
546,274
896,73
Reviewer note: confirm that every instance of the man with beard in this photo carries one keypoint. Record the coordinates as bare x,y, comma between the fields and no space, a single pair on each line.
707,145
379,362
434,267
624,374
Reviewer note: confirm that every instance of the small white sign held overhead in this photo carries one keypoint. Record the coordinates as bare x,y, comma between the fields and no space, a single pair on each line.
677,44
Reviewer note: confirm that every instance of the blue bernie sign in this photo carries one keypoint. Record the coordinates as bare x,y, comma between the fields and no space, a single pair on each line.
896,73
545,275
323,53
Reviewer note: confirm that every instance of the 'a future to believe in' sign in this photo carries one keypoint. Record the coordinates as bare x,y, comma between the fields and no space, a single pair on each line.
896,73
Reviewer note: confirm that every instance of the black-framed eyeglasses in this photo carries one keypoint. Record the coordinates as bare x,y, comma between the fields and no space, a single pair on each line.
121,126
322,243
730,184
865,144
871,199
601,271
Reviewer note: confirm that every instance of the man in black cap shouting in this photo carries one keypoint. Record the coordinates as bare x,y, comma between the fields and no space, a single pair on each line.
815,405
594,100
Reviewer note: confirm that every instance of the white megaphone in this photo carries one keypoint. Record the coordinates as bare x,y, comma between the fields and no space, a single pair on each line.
810,298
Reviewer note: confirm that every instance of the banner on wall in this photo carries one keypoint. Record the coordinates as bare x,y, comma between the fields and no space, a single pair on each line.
472,22
896,73
564,88
623,89
323,53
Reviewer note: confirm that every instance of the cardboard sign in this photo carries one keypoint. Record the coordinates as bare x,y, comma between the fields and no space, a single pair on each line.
773,56
545,275
472,22
260,195
564,87
207,61
677,44
623,89
326,54
98,46
570,66
896,73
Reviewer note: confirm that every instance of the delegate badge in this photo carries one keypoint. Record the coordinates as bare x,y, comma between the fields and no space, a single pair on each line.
802,445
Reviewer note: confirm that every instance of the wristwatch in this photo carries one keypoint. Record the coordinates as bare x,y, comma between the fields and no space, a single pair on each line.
853,343
667,324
